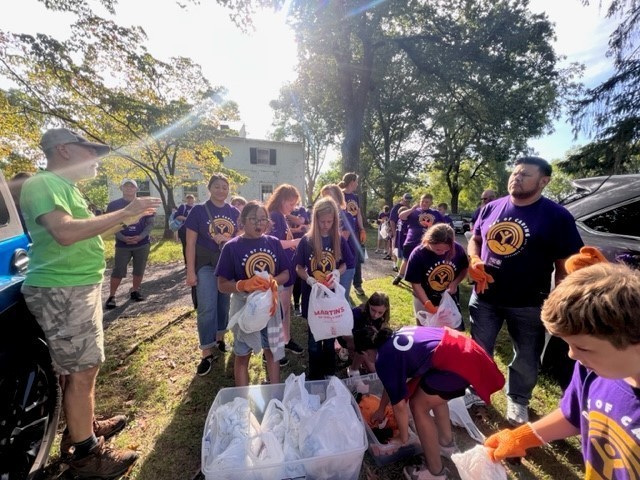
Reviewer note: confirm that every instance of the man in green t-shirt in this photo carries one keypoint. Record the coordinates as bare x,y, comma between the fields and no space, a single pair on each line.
62,289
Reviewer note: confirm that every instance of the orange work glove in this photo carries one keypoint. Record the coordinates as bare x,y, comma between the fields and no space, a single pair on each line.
273,284
587,256
478,274
252,284
512,443
363,236
430,307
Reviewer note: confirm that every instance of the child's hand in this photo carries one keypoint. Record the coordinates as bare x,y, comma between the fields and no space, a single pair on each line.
512,443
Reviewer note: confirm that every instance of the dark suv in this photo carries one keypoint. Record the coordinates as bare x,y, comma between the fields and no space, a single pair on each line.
607,213
29,388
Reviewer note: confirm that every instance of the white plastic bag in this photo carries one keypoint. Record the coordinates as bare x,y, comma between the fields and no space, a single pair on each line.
255,313
275,420
329,314
447,315
460,417
475,464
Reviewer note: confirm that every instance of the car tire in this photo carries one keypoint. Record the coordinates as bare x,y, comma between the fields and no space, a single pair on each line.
31,430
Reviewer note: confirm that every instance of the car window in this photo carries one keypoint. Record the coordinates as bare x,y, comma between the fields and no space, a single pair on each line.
4,212
623,220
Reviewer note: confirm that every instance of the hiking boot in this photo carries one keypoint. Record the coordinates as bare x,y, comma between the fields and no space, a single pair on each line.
103,462
106,428
294,348
204,366
111,303
517,414
359,291
135,295
413,472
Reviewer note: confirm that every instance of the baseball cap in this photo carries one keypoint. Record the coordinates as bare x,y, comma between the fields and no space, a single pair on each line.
64,136
128,180
407,196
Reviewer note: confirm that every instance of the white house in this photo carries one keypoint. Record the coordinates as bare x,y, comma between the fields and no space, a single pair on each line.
265,163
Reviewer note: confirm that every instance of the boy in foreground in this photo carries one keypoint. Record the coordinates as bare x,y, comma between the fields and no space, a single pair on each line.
596,311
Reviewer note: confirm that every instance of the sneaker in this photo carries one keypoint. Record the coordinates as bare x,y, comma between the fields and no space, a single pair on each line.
448,450
222,346
284,361
106,428
294,348
111,303
359,291
395,268
103,462
397,280
413,472
296,310
135,295
205,365
517,414
387,257
471,399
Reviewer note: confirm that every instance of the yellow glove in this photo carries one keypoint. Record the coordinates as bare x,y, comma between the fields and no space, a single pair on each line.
587,256
478,274
512,443
430,307
252,284
363,236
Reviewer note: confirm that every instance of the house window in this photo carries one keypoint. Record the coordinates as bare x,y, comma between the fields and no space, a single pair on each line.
143,188
262,156
190,189
265,192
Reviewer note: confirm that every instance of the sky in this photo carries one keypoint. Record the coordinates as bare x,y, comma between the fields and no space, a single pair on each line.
253,67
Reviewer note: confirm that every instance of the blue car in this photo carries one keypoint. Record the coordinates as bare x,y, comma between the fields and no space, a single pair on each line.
29,388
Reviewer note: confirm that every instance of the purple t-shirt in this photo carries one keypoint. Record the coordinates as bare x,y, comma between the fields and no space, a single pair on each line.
520,246
434,272
302,213
418,222
406,355
133,229
225,222
242,257
280,229
353,208
393,214
607,412
319,270
183,211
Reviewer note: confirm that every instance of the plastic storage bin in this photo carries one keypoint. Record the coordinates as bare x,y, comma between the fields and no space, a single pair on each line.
259,397
382,454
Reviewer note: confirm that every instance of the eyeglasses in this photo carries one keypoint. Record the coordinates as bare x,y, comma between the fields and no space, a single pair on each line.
258,221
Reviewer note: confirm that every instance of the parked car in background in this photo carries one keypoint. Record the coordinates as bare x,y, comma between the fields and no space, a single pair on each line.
460,224
607,213
29,388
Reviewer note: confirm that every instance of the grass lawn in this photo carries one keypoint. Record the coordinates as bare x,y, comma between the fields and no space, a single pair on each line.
150,376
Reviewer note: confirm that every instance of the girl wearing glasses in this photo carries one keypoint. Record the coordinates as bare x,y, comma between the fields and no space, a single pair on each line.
209,226
322,256
242,257
280,204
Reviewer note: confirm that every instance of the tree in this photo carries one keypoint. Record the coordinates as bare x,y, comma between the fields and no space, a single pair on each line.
611,110
300,115
497,83
160,117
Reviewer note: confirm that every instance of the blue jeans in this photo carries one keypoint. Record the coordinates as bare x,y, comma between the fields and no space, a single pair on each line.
213,307
527,335
346,280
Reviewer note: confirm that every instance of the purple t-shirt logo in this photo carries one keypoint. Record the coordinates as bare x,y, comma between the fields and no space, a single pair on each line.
426,219
508,237
224,226
440,276
259,260
320,269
